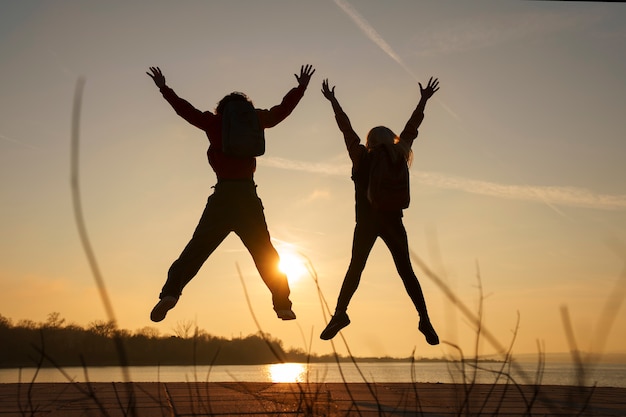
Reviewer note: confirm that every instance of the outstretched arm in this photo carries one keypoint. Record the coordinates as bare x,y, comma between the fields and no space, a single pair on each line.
349,135
329,94
278,113
181,106
410,130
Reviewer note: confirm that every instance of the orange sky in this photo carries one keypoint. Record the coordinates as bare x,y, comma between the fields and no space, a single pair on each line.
518,175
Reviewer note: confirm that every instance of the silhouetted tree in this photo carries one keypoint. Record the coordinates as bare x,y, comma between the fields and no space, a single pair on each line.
54,320
21,345
183,329
102,328
148,332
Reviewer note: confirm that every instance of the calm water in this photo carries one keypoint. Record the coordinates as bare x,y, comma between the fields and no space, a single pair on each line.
608,375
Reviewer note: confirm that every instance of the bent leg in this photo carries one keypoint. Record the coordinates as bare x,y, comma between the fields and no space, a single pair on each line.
251,228
394,235
365,235
212,229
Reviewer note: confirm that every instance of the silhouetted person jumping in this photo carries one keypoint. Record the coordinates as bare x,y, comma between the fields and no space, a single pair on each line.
234,205
372,222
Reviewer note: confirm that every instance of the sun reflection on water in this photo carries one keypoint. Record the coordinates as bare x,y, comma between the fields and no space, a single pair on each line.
287,372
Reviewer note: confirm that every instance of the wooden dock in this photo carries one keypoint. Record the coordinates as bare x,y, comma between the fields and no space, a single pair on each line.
305,399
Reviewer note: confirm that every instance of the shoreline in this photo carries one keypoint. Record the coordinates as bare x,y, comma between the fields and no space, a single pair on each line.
524,374
71,399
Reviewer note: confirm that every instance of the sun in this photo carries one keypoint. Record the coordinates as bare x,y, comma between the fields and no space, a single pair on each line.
287,372
291,263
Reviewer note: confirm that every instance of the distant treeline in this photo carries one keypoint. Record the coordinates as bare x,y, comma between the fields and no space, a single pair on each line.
55,343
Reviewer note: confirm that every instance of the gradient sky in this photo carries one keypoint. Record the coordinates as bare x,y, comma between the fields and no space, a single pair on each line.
517,183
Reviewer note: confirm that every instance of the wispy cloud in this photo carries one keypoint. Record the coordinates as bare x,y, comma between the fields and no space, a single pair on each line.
550,195
483,31
317,195
312,167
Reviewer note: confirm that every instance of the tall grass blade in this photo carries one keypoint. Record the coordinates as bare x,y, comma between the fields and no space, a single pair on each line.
84,237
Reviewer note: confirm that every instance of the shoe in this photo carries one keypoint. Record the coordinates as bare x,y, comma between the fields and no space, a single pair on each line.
286,314
336,323
427,329
164,305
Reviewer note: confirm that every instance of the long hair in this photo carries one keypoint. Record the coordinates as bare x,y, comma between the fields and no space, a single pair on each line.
383,136
235,95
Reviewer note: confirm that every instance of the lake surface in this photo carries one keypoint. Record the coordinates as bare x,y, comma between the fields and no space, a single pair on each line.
607,375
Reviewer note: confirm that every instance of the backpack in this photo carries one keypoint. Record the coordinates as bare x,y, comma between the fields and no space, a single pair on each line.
388,186
242,135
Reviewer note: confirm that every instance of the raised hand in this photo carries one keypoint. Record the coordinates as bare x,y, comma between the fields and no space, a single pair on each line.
306,71
431,88
157,76
329,93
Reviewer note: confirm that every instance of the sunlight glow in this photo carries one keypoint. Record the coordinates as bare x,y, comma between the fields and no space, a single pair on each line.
287,372
291,263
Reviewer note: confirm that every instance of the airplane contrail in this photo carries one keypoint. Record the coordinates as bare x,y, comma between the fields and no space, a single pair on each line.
19,142
375,37
372,34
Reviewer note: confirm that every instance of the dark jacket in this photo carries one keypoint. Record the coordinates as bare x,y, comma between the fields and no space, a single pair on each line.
226,167
360,156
